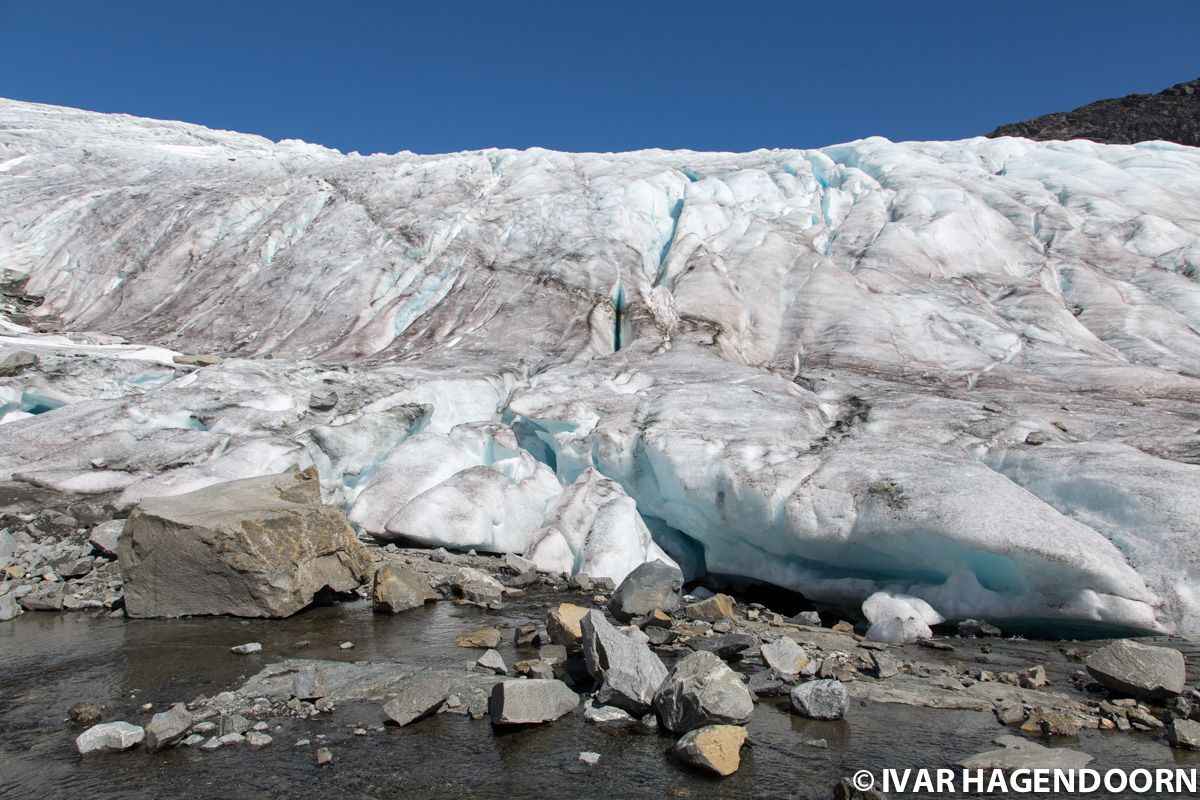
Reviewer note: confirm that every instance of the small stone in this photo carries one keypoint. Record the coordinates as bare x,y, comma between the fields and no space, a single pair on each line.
488,638
109,736
609,716
1058,723
718,607
493,662
192,741
324,757
440,555
842,627
714,748
1034,677
588,758
580,582
246,649
322,399
256,740
821,699
84,713
970,628
346,646
167,727
807,618
784,656
212,743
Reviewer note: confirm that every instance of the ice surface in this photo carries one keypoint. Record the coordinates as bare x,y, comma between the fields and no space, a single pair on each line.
820,369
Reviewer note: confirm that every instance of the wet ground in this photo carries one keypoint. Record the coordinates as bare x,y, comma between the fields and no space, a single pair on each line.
48,661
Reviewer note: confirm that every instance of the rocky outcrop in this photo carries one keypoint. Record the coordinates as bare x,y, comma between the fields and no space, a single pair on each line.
257,547
1172,115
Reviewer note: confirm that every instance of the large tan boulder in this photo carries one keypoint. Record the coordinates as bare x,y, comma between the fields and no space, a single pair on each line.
257,547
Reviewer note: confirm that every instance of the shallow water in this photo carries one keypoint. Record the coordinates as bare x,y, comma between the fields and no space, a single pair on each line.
48,661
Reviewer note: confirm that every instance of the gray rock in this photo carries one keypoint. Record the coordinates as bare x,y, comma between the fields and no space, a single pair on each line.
9,607
440,556
74,568
518,565
477,587
784,655
167,727
246,649
580,582
104,538
702,690
109,736
322,399
15,363
309,683
257,547
46,596
807,618
493,662
820,699
417,698
399,589
1137,670
726,645
653,585
232,723
589,758
8,545
628,671
883,665
608,716
324,757
1184,734
768,683
977,628
530,702
1018,753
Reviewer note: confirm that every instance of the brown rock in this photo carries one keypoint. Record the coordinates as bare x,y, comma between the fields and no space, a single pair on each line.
717,607
564,624
487,638
399,589
715,748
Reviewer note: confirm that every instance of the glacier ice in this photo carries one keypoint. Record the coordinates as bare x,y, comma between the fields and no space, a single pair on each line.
898,618
815,368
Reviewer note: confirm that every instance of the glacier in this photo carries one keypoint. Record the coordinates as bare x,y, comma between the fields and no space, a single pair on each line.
963,373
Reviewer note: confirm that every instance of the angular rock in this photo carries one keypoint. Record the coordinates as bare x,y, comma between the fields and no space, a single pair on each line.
246,649
493,662
564,624
1018,753
726,646
109,736
530,702
417,698
167,727
399,589
486,638
820,699
9,607
713,748
608,716
715,608
785,656
104,537
257,547
322,399
702,690
768,683
477,587
46,596
629,673
309,683
1137,670
653,585
517,565
14,364
1184,734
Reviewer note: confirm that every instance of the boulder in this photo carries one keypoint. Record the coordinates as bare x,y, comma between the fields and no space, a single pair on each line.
784,656
14,364
492,661
970,628
399,589
109,736
653,585
487,638
46,596
104,537
167,727
257,547
1018,753
564,625
628,671
702,690
1184,734
715,608
477,587
1138,670
417,698
322,399
713,748
530,701
821,699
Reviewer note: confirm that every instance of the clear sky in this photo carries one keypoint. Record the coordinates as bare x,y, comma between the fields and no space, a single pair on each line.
610,75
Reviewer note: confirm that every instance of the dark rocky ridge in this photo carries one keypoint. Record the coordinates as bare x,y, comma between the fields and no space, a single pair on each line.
1172,115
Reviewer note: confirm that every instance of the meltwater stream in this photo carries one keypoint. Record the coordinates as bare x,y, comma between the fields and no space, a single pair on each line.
49,661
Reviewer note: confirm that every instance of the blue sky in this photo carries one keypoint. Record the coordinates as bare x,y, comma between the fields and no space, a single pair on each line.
434,77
